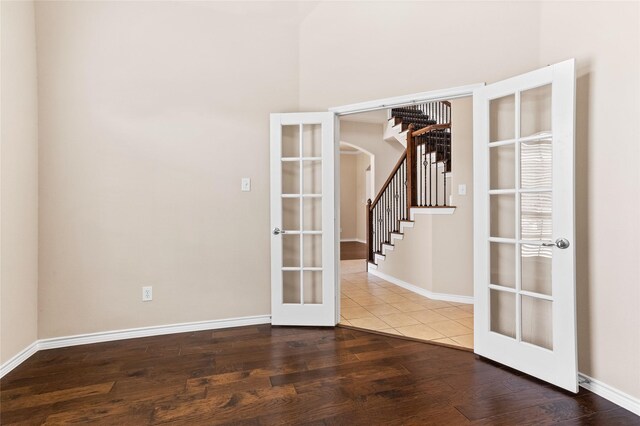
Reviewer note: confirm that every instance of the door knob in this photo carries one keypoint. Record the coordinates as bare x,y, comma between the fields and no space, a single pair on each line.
277,231
561,243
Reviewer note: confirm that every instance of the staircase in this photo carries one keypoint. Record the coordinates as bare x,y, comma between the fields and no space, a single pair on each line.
419,178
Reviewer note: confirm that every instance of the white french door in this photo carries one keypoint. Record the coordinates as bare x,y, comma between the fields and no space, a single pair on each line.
524,254
303,270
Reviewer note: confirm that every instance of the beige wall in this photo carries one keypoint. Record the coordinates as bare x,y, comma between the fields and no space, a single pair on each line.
368,137
538,33
437,253
362,163
353,203
348,184
608,229
151,113
19,180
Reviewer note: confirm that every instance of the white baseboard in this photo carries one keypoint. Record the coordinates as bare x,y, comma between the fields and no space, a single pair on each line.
612,394
353,240
421,291
131,333
18,358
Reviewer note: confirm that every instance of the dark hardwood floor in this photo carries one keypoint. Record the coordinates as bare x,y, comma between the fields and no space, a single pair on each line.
352,250
284,375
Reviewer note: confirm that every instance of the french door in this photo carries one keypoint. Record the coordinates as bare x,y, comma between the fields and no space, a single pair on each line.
524,254
303,270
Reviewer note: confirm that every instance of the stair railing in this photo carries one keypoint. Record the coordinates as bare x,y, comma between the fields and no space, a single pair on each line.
389,207
417,178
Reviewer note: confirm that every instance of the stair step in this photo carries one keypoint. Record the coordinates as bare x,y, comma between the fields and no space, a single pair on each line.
378,256
387,247
406,224
405,110
372,265
397,236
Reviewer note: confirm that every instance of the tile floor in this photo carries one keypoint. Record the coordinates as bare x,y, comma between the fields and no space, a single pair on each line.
372,303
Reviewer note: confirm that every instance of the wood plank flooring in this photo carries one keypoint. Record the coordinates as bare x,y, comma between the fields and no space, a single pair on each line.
351,250
284,375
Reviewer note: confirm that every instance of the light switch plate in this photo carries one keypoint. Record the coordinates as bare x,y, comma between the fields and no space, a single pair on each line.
245,185
462,189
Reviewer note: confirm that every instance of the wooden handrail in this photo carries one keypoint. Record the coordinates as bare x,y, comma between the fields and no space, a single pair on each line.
391,175
431,128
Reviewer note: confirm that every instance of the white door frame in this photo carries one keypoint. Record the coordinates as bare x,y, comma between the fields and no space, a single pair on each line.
378,104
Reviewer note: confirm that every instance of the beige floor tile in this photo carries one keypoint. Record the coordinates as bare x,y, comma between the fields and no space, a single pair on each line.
371,323
384,309
400,290
415,297
434,304
467,322
368,301
357,293
399,320
464,340
447,340
450,328
393,298
348,303
420,331
454,313
353,313
467,307
381,292
372,303
392,331
407,306
427,316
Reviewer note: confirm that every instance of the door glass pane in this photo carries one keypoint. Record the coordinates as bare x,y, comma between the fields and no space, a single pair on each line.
291,141
536,164
536,268
312,281
502,307
291,250
313,250
312,179
290,177
537,324
291,287
502,167
503,215
535,111
535,210
312,214
503,264
312,140
502,113
291,214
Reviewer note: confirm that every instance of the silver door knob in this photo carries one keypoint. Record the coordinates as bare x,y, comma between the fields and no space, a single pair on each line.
277,231
561,243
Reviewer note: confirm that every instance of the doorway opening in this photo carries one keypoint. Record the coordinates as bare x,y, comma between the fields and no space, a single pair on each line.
414,277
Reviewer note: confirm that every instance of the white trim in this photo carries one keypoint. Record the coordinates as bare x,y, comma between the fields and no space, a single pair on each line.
422,291
610,393
350,152
430,211
398,101
131,333
352,240
18,358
